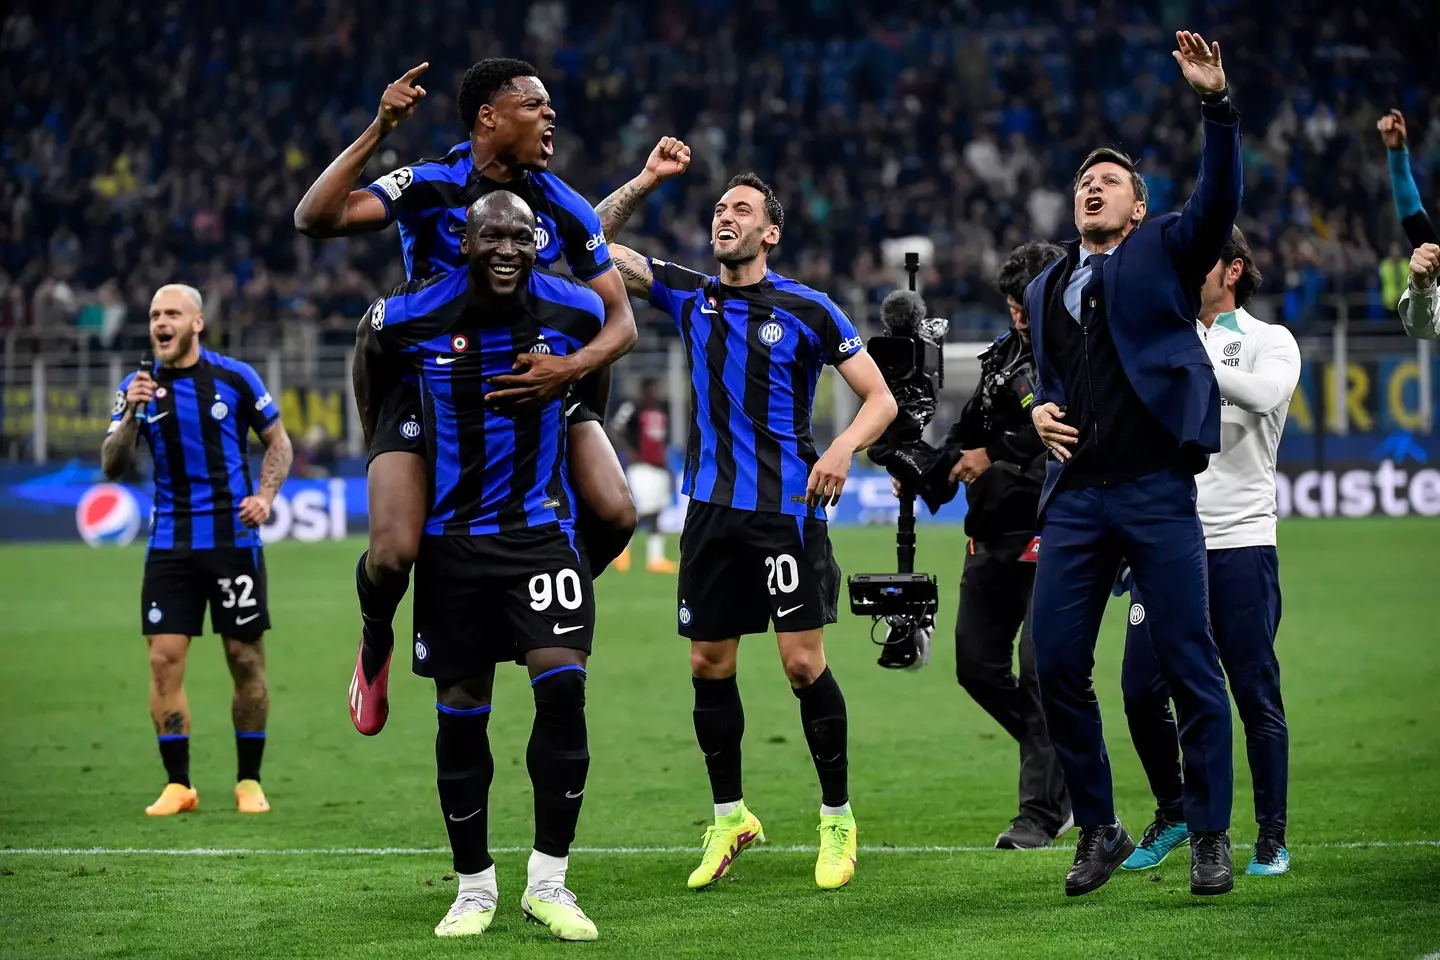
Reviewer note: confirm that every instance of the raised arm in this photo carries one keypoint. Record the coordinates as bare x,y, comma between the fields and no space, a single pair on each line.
670,158
1418,228
1197,235
1420,303
332,207
1272,380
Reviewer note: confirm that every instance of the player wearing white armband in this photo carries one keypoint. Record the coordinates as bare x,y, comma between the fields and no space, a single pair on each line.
1257,365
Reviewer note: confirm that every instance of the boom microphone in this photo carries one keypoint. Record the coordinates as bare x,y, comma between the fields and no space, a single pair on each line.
902,313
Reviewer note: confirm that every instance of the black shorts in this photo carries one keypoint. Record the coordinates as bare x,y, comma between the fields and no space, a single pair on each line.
400,426
178,584
739,570
578,411
484,600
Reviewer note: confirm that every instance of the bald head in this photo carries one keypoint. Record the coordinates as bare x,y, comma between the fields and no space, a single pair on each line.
499,243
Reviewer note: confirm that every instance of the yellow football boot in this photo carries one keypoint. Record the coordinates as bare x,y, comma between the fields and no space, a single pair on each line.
724,839
836,864
249,798
175,798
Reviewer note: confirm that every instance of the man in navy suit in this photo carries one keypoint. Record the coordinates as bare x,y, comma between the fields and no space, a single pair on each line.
1128,406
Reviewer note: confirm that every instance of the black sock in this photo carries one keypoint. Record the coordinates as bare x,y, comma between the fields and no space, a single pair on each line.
175,754
558,757
377,611
463,771
249,748
822,713
719,728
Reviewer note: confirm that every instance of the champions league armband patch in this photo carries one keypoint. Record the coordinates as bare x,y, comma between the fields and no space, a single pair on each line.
1032,552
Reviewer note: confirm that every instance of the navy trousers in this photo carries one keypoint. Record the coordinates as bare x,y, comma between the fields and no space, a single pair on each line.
1152,523
1245,613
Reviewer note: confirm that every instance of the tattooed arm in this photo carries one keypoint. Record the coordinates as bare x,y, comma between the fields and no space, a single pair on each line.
670,158
635,269
255,510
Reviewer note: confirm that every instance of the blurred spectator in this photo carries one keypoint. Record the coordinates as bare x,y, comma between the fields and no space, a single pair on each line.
152,143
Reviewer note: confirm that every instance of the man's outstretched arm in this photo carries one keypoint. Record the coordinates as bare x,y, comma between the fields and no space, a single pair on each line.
332,207
670,158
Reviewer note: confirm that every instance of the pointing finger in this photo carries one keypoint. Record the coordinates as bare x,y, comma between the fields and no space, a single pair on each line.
414,72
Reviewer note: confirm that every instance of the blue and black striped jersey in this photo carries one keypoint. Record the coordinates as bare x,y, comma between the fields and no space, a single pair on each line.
491,473
429,199
198,428
755,355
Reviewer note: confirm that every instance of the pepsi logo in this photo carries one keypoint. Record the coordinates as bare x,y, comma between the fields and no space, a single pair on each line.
108,516
459,343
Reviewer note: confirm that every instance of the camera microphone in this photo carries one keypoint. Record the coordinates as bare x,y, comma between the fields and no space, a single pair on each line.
902,313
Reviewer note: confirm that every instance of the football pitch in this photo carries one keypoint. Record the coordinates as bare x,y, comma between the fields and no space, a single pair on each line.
351,862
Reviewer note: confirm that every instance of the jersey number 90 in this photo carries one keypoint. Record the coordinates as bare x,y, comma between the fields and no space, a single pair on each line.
563,587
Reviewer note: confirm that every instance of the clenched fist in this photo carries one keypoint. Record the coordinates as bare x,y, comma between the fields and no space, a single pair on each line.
1424,265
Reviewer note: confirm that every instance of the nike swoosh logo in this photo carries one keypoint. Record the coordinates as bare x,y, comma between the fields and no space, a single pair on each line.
444,360
709,313
464,818
158,416
559,630
1111,844
456,228
241,621
573,796
786,612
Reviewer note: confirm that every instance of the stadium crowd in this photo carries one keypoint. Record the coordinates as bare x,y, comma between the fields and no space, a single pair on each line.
174,144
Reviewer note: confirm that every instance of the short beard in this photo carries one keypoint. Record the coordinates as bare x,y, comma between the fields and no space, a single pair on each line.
743,254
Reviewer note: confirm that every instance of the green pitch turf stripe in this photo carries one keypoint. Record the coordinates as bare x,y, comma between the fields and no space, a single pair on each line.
602,851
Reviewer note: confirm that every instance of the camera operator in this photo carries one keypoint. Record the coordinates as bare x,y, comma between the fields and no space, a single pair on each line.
995,452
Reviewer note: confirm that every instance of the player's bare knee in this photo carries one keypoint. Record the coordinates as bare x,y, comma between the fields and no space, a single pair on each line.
802,666
392,551
713,661
167,660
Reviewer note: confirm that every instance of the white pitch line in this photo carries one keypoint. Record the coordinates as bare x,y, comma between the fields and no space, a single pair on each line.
599,851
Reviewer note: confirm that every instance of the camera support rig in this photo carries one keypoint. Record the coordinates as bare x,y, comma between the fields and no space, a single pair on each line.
906,600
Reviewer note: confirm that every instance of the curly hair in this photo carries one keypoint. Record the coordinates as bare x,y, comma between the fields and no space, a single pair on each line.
774,212
1025,263
483,81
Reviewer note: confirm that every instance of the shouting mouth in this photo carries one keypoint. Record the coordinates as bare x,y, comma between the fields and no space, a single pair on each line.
1094,204
726,234
547,142
163,338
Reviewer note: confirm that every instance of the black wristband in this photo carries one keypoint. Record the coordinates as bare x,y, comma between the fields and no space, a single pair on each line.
1217,96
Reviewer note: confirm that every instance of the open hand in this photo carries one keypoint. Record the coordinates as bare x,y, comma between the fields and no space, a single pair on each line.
1199,63
400,99
1392,130
545,377
670,158
1058,437
254,510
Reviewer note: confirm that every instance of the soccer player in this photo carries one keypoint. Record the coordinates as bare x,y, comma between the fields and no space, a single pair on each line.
645,429
509,124
1416,223
755,547
501,574
1257,365
1420,303
196,409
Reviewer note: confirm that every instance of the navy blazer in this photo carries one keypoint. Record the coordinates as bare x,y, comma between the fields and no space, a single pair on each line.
1152,299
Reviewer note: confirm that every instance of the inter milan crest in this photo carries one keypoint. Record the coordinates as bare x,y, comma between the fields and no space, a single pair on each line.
1232,348
771,332
219,410
459,343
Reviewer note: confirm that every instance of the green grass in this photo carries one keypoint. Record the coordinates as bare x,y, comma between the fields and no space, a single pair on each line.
1360,646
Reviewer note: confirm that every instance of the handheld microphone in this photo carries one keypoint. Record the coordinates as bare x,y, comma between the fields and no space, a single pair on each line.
147,363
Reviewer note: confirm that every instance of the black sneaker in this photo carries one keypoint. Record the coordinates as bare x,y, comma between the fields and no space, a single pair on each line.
1099,851
1210,870
1024,834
